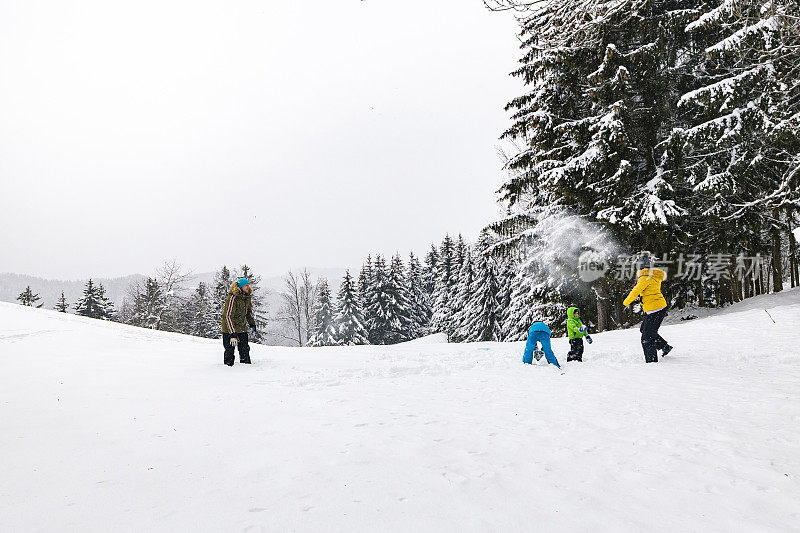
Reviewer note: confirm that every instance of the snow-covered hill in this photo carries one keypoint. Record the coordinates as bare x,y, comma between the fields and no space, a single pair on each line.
106,427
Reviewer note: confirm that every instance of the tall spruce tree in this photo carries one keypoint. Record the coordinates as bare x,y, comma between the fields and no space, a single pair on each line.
506,276
460,251
485,316
222,284
259,300
388,307
446,278
401,307
365,282
739,143
149,305
365,278
106,305
604,80
324,330
198,316
61,305
462,295
429,272
419,297
376,304
93,303
349,318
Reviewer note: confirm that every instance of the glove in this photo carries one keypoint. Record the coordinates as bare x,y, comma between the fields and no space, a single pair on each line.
588,339
583,329
234,342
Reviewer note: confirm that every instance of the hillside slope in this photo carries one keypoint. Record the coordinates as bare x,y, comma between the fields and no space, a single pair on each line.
109,427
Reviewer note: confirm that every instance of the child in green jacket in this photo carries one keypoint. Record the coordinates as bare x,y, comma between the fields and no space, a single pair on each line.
576,331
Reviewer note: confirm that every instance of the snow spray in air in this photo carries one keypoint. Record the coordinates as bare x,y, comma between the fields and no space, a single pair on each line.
565,246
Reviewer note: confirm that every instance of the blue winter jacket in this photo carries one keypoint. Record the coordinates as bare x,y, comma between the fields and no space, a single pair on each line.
539,334
540,326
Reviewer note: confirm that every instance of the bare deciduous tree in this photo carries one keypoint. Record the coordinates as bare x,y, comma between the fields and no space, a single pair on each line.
299,298
172,279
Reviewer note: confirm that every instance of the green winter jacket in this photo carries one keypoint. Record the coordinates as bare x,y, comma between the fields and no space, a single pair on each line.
574,324
237,312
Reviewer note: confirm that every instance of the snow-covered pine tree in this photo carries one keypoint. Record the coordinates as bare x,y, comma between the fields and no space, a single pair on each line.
401,307
376,302
429,272
462,296
505,280
61,305
741,133
460,251
106,306
28,298
93,303
603,82
222,284
349,321
365,278
198,316
485,316
259,299
149,305
324,330
631,96
446,277
419,297
388,307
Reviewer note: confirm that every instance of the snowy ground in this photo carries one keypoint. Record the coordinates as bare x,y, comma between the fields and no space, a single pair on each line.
111,428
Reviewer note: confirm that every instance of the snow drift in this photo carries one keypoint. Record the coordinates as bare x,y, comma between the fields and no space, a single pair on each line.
110,427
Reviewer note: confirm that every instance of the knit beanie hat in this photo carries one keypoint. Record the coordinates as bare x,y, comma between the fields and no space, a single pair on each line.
242,282
645,261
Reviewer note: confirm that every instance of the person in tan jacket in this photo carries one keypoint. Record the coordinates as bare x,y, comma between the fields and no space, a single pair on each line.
648,287
237,314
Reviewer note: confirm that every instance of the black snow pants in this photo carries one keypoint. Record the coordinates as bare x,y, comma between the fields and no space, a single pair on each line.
575,352
651,340
244,348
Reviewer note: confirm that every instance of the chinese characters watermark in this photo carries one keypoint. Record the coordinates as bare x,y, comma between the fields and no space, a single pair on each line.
689,267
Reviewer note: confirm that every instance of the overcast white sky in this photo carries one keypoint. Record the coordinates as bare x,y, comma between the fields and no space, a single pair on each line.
274,133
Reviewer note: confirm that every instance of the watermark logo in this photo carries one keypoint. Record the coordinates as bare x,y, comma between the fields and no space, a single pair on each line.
694,267
591,266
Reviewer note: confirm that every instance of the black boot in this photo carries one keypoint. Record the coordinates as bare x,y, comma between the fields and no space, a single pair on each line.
575,350
667,349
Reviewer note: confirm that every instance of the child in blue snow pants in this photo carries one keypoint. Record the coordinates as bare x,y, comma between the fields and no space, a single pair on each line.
539,334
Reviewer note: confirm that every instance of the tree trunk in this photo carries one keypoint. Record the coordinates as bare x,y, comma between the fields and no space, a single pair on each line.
737,289
617,307
701,302
777,256
601,294
793,271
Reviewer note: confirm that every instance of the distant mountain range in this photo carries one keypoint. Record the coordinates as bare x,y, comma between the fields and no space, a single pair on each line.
11,285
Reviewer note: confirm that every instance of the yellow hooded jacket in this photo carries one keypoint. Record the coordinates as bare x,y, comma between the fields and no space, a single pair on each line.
649,287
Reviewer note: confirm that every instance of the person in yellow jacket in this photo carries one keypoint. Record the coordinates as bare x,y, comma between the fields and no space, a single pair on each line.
648,287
